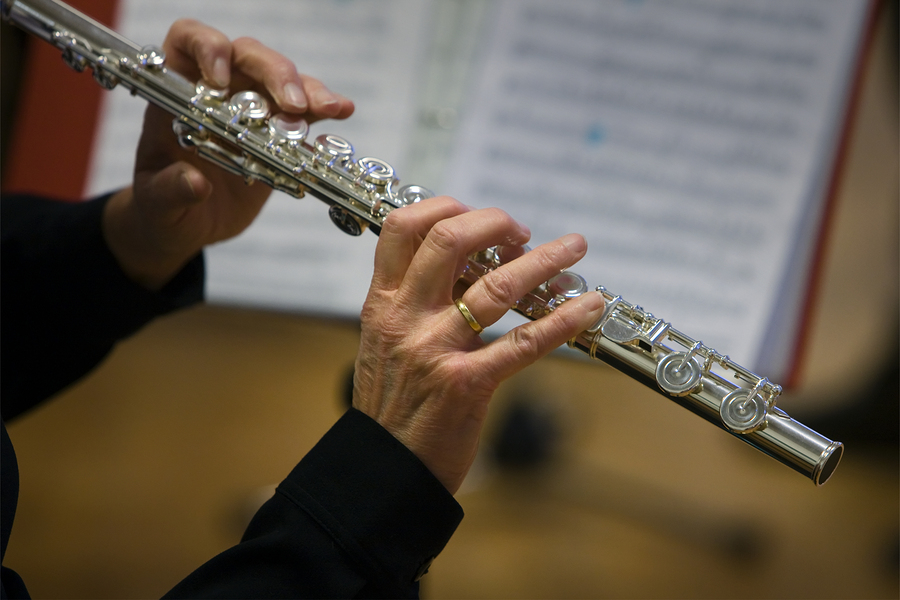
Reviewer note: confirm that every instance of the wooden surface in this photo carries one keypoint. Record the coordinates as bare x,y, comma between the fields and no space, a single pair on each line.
154,463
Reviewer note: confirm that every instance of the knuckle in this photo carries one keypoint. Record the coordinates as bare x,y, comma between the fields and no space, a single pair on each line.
181,25
281,69
394,220
462,377
496,213
552,256
501,287
444,237
245,43
384,322
397,222
527,343
456,206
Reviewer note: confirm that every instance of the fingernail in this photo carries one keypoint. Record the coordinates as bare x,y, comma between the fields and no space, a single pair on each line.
294,96
524,227
324,98
193,192
593,300
186,181
221,73
574,242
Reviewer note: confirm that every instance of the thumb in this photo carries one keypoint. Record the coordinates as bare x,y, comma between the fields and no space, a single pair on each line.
177,187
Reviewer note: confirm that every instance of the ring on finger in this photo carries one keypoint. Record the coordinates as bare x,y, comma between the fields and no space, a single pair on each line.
472,321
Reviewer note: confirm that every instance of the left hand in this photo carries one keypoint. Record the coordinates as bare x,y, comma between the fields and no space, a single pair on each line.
178,202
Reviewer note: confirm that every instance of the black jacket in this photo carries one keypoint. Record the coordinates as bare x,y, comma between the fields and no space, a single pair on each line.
359,516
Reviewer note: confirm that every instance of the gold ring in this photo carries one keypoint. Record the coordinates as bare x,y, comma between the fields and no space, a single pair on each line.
464,310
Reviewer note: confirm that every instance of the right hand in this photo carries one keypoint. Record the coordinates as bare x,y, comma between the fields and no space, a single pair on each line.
179,202
422,372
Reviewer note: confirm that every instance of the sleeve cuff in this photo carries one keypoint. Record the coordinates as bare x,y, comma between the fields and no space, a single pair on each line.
376,498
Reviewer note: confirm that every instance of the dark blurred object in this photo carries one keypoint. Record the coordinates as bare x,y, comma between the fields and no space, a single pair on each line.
872,418
526,450
526,436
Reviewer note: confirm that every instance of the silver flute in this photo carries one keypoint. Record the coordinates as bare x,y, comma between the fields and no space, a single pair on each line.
239,133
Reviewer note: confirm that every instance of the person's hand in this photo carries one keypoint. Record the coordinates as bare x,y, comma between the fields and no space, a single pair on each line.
178,202
422,372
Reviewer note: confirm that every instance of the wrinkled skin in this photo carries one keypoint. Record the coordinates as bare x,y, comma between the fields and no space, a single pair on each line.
422,372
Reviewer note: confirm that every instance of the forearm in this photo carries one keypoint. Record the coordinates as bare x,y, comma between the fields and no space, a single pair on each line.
66,301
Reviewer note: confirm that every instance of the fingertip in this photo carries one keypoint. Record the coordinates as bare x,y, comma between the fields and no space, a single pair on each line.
196,185
293,98
347,107
593,301
220,74
575,242
526,230
594,305
325,102
192,46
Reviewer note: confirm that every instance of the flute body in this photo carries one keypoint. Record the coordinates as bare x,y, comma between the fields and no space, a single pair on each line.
238,133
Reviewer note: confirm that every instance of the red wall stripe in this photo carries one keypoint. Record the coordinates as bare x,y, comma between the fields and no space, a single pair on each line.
56,118
813,282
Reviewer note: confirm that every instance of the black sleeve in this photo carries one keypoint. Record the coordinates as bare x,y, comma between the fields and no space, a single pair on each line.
360,516
65,301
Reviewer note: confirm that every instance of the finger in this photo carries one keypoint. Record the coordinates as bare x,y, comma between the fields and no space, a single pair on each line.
403,232
440,260
527,343
174,188
198,51
292,91
275,72
324,103
491,296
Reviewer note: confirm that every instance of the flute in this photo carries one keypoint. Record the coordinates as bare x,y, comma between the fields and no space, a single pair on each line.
239,133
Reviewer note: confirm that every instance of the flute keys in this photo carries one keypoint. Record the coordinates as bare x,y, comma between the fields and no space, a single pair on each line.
566,285
285,128
679,373
152,57
187,133
333,149
743,411
410,194
375,171
248,108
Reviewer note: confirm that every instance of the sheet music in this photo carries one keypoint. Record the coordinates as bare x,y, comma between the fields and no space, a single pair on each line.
688,141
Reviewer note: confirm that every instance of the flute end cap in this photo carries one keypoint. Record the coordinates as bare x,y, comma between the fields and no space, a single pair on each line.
830,460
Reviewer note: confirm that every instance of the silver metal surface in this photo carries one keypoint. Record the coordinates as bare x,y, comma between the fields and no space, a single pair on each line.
678,373
287,128
239,135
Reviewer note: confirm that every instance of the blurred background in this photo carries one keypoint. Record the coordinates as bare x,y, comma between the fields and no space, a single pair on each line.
588,485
